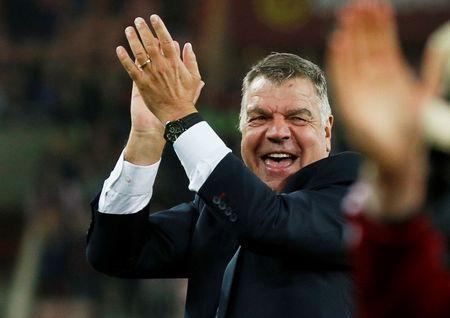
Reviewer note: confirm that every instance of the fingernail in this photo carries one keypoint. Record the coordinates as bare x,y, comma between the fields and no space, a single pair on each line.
189,46
119,50
129,30
138,21
154,18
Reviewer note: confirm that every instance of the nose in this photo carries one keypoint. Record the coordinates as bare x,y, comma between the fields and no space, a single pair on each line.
278,131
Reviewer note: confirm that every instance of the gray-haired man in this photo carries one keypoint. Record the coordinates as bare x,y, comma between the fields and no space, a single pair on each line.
264,239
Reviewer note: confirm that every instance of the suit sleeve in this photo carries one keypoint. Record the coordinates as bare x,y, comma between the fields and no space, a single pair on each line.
400,270
140,245
302,223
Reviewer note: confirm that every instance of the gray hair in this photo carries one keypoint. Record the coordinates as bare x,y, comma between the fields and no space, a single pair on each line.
279,67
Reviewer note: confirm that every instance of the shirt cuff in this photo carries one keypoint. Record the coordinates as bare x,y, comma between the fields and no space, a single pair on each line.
129,187
200,150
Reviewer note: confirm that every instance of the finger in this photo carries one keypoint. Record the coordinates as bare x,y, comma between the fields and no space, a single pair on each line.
165,39
190,60
356,36
359,31
341,68
343,13
160,51
344,20
177,47
379,33
158,45
370,29
386,18
136,46
150,43
336,59
128,64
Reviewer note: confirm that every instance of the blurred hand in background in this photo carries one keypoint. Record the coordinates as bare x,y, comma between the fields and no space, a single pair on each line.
380,101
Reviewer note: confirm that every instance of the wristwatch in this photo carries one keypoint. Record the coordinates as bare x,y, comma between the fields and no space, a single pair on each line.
175,128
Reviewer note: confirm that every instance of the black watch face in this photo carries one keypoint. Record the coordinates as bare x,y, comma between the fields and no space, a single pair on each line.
173,130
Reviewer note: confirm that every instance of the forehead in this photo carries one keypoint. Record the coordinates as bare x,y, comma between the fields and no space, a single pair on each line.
294,93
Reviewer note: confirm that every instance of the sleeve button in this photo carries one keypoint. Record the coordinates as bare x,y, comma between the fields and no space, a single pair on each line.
222,206
228,211
216,199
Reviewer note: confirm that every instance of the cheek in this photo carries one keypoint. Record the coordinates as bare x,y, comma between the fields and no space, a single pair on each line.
310,139
249,145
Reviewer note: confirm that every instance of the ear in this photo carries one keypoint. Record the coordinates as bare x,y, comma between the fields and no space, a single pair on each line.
328,127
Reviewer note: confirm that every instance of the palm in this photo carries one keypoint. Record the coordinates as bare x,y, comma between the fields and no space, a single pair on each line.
142,119
170,81
380,108
376,91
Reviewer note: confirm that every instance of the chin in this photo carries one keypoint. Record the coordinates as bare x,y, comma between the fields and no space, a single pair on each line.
275,181
277,185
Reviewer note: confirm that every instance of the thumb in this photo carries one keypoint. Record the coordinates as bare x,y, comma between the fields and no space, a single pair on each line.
199,90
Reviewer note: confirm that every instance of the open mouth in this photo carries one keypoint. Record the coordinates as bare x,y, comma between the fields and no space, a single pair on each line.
278,160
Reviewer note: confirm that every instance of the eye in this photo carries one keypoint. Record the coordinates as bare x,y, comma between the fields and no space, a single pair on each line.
297,120
257,120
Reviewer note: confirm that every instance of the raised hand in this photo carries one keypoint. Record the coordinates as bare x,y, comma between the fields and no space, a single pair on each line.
375,89
379,99
146,142
169,85
142,119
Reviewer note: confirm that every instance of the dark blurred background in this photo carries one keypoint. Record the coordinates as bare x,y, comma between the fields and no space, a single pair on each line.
64,119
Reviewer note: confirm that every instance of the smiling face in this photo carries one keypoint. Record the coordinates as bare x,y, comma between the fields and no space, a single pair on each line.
283,131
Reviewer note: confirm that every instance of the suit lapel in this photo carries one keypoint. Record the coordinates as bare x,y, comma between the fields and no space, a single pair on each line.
227,282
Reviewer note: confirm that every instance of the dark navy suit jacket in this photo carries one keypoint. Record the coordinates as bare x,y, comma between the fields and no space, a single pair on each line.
292,258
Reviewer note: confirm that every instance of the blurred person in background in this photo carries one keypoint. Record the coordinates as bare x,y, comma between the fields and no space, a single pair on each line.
261,240
389,113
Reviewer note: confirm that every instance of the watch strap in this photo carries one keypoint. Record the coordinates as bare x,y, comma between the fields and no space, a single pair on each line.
175,128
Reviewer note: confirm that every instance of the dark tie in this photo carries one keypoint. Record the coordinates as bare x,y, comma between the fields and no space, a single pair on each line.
226,285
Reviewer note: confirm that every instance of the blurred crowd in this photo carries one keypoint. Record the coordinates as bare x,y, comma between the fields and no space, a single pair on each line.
60,85
64,110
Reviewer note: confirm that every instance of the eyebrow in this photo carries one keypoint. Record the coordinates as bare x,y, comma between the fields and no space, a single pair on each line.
258,110
301,111
292,112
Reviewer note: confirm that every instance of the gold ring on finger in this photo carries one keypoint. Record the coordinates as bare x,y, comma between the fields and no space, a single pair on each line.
145,63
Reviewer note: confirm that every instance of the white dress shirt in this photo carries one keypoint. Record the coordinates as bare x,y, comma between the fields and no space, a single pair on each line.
129,187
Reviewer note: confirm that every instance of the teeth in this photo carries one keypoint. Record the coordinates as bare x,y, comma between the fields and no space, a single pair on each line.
279,155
